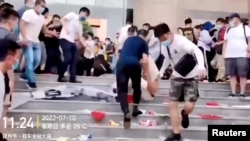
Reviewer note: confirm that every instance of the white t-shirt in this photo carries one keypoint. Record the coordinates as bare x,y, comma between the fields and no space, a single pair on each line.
154,47
178,48
236,42
34,26
89,49
74,26
2,93
123,35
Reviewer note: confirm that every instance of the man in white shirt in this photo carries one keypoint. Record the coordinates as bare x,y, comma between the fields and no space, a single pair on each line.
123,34
183,88
31,24
236,51
71,31
8,58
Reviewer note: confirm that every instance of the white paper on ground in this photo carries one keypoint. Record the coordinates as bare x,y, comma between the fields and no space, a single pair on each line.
154,75
67,90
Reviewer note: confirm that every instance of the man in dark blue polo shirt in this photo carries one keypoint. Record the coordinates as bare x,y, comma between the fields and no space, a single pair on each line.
134,51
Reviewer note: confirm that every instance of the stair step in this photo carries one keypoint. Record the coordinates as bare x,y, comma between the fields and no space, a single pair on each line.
102,81
197,133
61,117
203,91
162,98
60,105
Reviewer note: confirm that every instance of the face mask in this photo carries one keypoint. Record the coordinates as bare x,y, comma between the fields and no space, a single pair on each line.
57,24
232,24
219,26
166,43
41,10
82,19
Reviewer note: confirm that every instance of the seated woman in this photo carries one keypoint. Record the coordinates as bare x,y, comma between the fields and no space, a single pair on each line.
150,83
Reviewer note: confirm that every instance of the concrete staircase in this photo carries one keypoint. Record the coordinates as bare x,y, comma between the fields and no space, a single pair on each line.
51,117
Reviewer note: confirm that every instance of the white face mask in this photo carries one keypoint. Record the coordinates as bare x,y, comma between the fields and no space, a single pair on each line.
232,24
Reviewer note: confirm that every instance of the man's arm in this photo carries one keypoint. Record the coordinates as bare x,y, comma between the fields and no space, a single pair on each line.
247,29
49,33
11,80
224,47
26,19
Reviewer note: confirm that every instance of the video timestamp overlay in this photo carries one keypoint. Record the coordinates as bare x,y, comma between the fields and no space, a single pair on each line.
228,132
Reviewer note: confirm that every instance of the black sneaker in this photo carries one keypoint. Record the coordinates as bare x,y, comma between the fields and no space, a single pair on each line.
242,95
232,95
174,138
22,78
136,111
62,79
185,119
31,85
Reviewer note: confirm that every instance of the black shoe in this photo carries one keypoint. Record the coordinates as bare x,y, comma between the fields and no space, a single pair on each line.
75,81
185,119
126,121
242,95
62,79
232,95
136,111
23,78
31,85
174,137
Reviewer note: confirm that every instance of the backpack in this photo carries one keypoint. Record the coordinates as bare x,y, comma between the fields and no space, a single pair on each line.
189,34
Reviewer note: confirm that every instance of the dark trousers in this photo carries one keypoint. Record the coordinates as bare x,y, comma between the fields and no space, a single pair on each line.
122,78
85,64
70,54
212,73
53,59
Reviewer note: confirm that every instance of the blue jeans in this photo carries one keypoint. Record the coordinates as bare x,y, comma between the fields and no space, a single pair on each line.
32,54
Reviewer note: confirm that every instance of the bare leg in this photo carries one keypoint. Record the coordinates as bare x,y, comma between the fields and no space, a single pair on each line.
243,83
233,83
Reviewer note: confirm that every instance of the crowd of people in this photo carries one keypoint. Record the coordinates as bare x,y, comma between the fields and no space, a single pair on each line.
32,42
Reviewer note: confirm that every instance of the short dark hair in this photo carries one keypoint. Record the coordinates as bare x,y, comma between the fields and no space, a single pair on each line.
188,21
6,5
108,39
56,16
37,2
132,29
222,20
8,47
45,11
96,38
161,29
85,36
146,24
199,26
90,34
226,20
84,9
142,32
7,13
